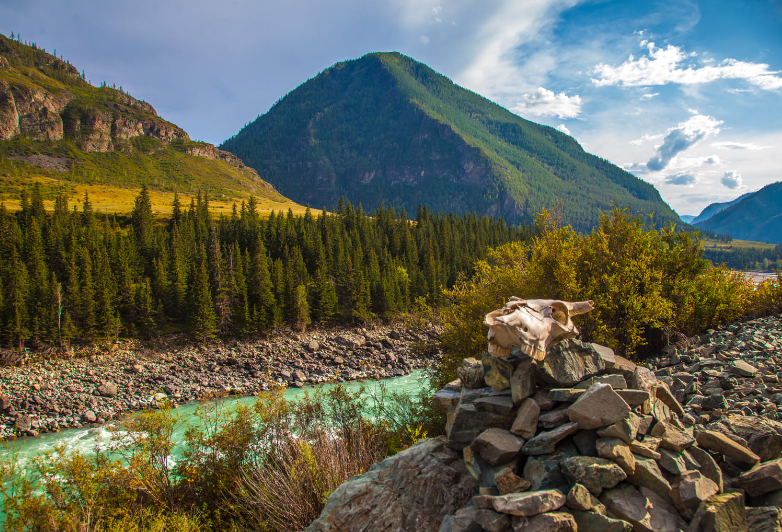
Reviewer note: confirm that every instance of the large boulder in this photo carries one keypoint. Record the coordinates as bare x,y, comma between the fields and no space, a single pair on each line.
598,407
763,436
410,491
568,363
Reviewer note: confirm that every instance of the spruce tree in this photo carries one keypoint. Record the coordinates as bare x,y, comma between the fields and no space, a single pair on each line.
202,317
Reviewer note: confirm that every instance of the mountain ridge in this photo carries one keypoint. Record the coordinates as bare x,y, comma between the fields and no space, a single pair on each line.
715,208
55,124
386,129
757,217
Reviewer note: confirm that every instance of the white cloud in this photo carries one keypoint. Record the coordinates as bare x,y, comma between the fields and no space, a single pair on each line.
680,138
563,129
424,39
728,145
544,102
649,96
668,65
645,138
732,180
687,179
696,162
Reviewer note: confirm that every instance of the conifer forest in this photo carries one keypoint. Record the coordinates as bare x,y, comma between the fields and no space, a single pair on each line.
74,274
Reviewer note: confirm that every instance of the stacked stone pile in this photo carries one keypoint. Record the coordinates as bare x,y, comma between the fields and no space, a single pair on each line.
586,440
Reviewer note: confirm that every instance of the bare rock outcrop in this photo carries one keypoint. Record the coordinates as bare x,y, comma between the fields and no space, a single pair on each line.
411,491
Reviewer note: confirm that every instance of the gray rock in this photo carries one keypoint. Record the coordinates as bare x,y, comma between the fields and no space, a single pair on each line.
617,382
720,513
665,517
586,442
565,395
708,466
545,442
761,479
508,482
522,381
411,491
497,446
548,522
445,399
742,369
496,404
89,416
526,422
471,373
626,429
554,418
496,372
595,474
672,462
529,503
568,363
633,397
108,389
543,472
593,522
598,407
607,354
617,451
626,503
689,490
468,423
764,519
492,521
720,443
648,475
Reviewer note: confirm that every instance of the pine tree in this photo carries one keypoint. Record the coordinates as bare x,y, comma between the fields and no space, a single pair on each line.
202,314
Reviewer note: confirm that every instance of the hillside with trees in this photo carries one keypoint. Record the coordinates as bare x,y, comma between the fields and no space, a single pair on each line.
387,129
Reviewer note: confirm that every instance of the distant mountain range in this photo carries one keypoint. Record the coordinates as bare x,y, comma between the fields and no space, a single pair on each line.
755,216
713,209
385,129
56,128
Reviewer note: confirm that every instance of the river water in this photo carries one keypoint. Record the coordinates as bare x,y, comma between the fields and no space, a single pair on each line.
85,440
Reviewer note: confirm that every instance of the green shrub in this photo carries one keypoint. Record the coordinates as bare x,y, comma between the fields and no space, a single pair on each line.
641,279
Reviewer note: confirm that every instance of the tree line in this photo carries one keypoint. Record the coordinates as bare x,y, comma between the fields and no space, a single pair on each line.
75,274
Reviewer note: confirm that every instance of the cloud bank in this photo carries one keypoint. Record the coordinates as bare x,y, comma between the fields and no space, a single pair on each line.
732,180
666,65
544,102
682,137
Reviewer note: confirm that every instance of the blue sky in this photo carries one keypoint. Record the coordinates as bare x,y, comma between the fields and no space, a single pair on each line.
687,95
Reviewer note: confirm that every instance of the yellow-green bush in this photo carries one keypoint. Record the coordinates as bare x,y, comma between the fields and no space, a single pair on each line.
640,278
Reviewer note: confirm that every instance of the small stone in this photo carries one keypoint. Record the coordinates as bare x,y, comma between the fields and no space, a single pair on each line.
468,423
496,404
470,373
547,522
742,369
595,474
541,397
618,451
509,482
664,395
89,416
526,422
647,474
496,372
625,429
529,503
689,490
665,518
565,395
522,381
593,522
598,407
761,479
543,472
579,498
545,442
643,379
644,449
720,513
624,368
707,466
714,402
672,438
554,418
617,382
445,399
108,389
492,521
626,503
607,354
764,519
719,443
465,520
497,446
672,462
633,397
645,424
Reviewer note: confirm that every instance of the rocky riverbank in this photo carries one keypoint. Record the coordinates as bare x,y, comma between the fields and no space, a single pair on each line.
98,383
587,441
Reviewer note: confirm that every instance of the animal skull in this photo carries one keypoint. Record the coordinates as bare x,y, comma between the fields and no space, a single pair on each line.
532,325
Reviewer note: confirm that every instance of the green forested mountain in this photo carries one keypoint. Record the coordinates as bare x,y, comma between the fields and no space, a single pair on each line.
757,217
59,129
73,273
387,129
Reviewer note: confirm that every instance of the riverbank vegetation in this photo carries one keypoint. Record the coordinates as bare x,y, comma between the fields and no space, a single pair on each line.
267,466
71,274
649,285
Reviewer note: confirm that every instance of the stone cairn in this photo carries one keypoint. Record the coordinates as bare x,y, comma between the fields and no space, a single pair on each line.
578,438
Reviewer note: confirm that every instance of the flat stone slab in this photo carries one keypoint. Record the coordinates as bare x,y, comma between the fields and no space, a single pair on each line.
549,522
633,397
565,395
617,382
529,503
761,479
545,442
526,422
596,474
569,362
718,442
598,407
497,446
